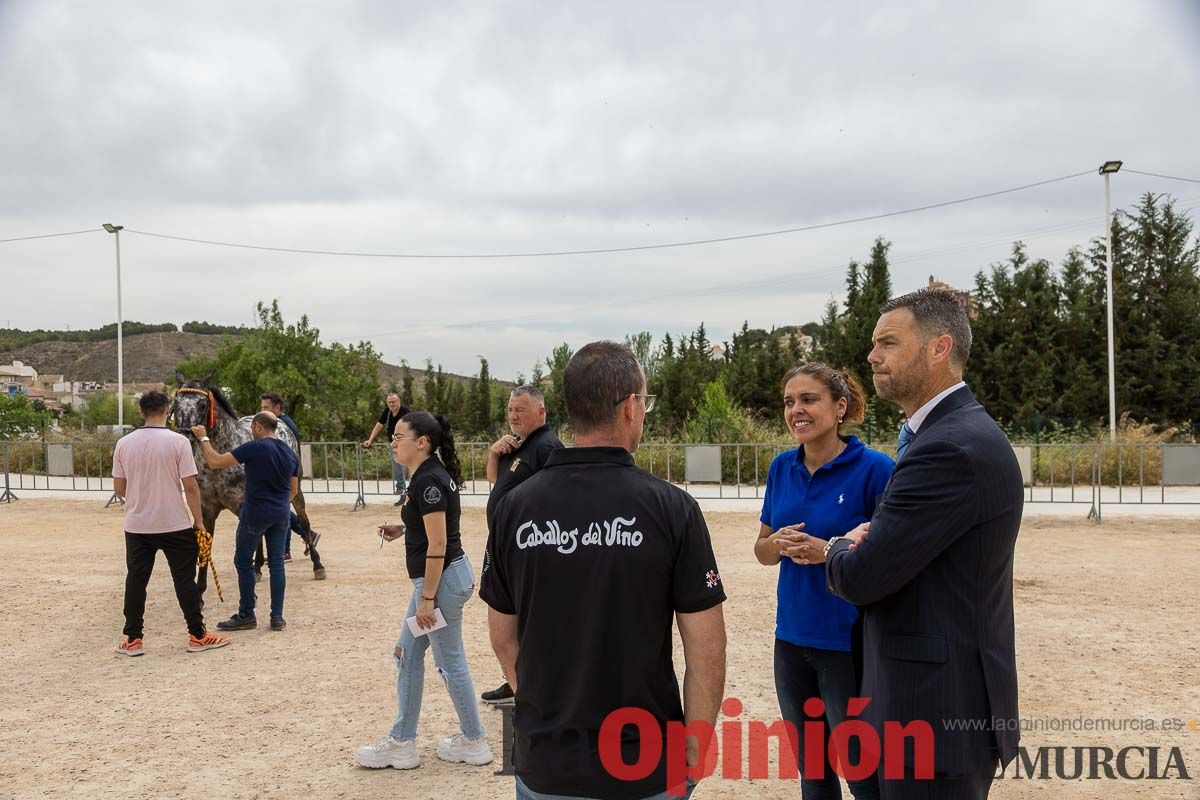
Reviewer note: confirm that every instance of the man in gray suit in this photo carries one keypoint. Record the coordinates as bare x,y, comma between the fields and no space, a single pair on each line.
933,568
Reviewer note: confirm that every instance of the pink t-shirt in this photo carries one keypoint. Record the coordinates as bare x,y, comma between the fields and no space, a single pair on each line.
153,461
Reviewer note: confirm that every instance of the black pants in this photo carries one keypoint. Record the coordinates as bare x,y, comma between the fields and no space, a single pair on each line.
181,551
804,672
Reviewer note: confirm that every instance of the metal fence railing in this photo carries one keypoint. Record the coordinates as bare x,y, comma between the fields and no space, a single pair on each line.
1095,474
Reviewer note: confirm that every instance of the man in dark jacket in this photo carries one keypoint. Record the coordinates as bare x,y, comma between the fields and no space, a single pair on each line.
933,568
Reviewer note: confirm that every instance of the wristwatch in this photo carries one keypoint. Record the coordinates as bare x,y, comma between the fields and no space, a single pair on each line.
204,438
829,544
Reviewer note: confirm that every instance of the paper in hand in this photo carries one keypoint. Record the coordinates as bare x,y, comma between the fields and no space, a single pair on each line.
417,630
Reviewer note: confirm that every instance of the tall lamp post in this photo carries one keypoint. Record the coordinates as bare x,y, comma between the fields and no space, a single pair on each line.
116,231
1107,169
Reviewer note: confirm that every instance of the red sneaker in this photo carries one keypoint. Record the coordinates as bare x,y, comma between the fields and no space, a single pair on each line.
130,647
210,641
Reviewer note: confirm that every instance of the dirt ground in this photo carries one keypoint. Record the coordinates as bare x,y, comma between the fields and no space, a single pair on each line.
1107,623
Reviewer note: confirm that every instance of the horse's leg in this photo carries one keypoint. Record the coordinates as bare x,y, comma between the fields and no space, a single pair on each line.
259,560
306,533
210,520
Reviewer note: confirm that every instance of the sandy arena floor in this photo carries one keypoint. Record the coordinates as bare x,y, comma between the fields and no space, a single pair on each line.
1108,626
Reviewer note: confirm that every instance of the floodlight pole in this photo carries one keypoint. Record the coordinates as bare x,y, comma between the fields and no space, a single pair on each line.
116,231
1107,170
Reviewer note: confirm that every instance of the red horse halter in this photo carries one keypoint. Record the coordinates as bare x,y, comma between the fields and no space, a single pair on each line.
212,406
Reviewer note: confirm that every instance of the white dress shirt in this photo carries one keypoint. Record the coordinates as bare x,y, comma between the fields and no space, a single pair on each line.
914,422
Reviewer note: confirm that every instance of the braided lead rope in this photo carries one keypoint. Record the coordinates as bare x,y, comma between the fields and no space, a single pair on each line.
204,542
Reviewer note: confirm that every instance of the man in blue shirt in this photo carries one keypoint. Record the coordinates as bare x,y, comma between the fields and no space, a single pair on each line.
270,401
272,480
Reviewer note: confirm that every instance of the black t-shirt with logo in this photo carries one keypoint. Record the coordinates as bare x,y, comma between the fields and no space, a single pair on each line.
388,420
431,489
516,466
595,556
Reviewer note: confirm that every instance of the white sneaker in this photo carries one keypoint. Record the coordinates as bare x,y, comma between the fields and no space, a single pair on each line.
389,752
459,748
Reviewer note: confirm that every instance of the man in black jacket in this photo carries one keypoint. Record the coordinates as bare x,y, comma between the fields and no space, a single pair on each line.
933,568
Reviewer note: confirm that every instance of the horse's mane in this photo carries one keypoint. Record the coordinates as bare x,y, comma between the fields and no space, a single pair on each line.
223,402
217,394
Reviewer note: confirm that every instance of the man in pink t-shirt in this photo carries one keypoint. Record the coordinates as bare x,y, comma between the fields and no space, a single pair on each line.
149,466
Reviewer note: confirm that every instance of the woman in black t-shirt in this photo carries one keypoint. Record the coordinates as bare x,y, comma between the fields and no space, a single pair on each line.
442,582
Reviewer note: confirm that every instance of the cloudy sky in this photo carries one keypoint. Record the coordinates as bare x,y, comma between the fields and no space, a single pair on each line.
482,128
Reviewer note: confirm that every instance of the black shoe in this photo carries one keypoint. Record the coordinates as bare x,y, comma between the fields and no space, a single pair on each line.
238,623
500,696
277,623
399,502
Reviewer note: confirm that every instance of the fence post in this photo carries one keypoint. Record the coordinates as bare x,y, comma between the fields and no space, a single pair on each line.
360,501
1097,483
8,496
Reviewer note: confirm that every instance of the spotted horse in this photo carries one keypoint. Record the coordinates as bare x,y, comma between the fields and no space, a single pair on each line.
198,402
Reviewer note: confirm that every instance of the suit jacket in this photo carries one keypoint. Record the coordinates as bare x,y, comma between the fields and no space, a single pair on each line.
934,578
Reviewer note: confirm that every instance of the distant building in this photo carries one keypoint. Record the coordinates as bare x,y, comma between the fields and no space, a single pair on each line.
19,374
964,298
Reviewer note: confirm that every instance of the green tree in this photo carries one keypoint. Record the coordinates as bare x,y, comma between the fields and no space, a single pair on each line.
21,417
332,390
482,415
406,384
101,409
716,418
556,404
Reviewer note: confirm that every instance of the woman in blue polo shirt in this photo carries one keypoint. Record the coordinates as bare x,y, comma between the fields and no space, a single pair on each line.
823,488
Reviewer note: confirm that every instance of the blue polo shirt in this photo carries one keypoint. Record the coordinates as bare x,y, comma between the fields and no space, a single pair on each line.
270,465
838,497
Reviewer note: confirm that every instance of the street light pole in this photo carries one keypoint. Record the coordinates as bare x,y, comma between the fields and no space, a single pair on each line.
1107,169
116,231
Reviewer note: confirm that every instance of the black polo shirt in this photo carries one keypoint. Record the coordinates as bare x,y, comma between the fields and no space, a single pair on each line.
594,556
516,466
388,420
430,489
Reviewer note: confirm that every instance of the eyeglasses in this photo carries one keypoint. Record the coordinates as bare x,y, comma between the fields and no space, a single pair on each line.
398,436
648,398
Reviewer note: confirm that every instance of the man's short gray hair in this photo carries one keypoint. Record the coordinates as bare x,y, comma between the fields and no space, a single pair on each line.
938,313
531,392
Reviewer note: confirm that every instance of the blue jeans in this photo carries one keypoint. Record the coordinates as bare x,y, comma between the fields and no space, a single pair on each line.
804,672
398,477
525,793
248,536
449,656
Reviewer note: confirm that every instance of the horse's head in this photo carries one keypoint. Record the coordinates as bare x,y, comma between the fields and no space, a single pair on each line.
198,403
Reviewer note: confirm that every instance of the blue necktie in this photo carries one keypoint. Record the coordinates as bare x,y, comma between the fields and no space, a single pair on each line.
906,437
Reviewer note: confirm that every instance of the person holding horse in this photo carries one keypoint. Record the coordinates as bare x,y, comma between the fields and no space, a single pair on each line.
272,480
149,465
272,402
443,581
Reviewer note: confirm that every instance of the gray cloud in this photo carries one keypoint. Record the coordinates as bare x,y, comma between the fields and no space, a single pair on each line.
464,128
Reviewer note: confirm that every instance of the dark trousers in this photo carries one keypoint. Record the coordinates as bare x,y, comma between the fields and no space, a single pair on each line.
181,551
804,672
971,786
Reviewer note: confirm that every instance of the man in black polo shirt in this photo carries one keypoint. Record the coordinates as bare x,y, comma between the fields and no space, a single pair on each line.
587,563
512,459
393,410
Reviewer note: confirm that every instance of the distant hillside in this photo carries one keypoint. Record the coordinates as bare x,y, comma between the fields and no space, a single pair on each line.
149,358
